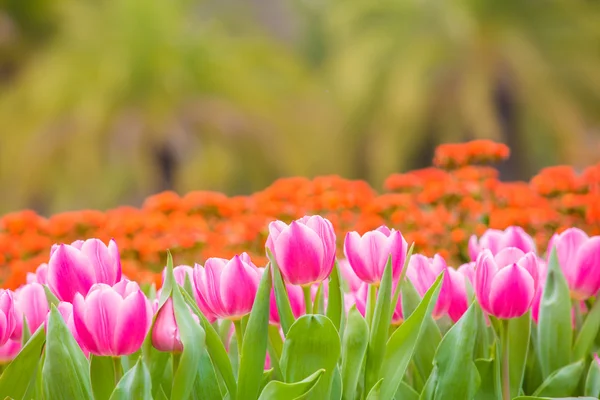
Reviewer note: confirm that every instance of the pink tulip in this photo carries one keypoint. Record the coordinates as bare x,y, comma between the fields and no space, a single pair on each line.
75,268
9,350
496,240
537,298
296,298
31,302
368,255
349,275
8,316
66,311
165,333
40,276
360,300
579,259
423,272
112,321
227,288
304,250
505,284
458,294
180,272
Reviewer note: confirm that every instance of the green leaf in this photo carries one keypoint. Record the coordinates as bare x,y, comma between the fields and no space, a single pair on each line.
374,393
276,390
254,346
21,372
286,316
188,286
401,346
354,347
519,330
135,384
66,371
215,348
379,328
456,375
592,381
159,363
587,334
102,373
318,306
336,384
334,299
487,374
397,291
52,299
405,392
555,333
312,344
562,382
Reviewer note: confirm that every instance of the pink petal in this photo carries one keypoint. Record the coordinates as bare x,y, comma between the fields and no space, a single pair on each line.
213,270
33,303
484,273
326,233
567,246
508,256
512,292
84,334
420,273
515,236
299,252
69,272
101,314
238,287
588,266
104,265
132,323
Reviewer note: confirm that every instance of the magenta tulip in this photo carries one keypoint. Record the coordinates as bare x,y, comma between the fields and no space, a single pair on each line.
9,350
8,315
296,298
579,259
537,298
368,255
349,276
458,294
180,273
40,275
423,272
75,268
227,288
30,302
496,240
505,284
304,250
165,333
112,321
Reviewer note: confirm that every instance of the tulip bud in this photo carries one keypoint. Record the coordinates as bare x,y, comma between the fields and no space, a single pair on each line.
304,250
496,240
368,255
165,333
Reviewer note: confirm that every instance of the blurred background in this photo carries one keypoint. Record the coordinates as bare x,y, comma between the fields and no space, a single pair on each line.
105,102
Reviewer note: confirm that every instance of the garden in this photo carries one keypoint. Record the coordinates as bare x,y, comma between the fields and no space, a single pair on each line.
448,284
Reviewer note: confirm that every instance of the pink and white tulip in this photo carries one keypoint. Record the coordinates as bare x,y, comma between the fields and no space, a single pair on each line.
368,255
348,275
423,271
304,250
496,240
77,267
31,303
458,295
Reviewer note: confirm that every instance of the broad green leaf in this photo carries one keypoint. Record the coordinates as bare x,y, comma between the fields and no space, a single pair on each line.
379,328
587,334
254,346
66,373
159,362
286,316
21,372
336,384
405,392
562,382
487,373
334,299
592,381
52,299
266,378
374,393
312,344
456,375
354,347
519,330
555,332
102,374
135,384
276,390
401,346
206,385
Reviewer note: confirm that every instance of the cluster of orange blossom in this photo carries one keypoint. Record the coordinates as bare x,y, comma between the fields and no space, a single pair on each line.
437,208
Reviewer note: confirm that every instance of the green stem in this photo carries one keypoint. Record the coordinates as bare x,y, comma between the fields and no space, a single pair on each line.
371,300
578,314
505,360
307,300
118,369
239,335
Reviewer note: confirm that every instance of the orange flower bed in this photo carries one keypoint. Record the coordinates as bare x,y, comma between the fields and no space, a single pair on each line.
437,208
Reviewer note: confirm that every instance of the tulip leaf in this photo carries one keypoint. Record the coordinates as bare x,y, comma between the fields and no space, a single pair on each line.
587,334
487,375
354,347
405,392
286,316
159,363
17,376
102,374
66,370
276,390
562,382
254,346
519,330
334,299
312,343
379,328
52,299
206,385
215,348
455,374
555,332
135,384
403,342
592,381
374,393
336,384
401,280
318,306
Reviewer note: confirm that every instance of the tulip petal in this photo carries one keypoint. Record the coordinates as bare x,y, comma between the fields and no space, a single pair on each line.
567,246
69,272
588,265
238,288
79,321
484,272
299,252
325,232
213,269
132,324
352,250
104,265
508,256
512,292
101,314
515,236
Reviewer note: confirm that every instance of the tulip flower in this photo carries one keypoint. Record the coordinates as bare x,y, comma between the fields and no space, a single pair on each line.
579,259
537,298
40,275
75,268
165,333
423,272
359,298
31,302
296,298
66,311
505,284
112,321
227,288
458,294
368,255
349,276
9,350
8,316
180,272
304,250
496,240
